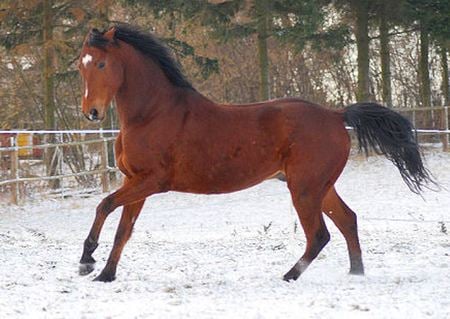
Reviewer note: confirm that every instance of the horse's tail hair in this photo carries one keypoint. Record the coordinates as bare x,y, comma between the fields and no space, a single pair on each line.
389,133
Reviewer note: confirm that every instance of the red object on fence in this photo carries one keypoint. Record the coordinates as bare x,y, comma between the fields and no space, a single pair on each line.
37,152
5,139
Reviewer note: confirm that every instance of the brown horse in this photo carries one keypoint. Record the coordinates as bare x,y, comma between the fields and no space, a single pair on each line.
172,138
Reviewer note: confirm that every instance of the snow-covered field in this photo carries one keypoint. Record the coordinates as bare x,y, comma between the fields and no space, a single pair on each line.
223,256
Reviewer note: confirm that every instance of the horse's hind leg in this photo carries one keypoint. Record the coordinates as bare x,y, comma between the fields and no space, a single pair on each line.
307,202
345,220
129,215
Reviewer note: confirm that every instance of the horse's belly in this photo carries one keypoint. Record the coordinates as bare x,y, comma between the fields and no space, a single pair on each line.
223,177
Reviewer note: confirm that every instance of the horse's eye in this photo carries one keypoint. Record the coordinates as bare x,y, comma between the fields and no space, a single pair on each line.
101,65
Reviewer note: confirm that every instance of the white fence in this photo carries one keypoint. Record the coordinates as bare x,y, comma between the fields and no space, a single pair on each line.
13,179
434,121
91,144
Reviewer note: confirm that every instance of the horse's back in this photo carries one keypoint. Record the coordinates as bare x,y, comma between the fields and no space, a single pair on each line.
299,119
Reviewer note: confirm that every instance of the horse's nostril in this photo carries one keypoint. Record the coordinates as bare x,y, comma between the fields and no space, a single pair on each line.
93,114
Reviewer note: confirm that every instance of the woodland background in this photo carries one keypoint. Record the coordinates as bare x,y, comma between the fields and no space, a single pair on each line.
329,52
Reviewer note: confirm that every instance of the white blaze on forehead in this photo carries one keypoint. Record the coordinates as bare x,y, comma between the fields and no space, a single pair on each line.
86,59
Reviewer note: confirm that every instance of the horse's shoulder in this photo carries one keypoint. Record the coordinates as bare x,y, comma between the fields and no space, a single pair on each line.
118,144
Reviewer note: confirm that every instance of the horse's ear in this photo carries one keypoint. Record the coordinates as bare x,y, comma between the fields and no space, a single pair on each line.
110,34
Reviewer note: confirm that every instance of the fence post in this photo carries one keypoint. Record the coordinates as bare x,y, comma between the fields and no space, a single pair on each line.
445,136
60,169
104,164
15,191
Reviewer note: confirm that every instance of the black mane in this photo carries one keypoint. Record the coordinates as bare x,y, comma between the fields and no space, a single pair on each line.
150,46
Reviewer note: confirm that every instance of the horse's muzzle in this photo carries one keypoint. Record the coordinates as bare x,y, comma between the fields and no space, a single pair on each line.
93,115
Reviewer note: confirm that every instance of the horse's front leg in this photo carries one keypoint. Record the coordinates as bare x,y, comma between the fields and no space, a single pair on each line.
133,190
129,215
87,262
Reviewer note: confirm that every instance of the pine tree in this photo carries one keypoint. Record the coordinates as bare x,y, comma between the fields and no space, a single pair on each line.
359,12
387,14
433,21
294,22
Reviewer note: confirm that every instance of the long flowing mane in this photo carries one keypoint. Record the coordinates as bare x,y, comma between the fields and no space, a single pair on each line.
148,45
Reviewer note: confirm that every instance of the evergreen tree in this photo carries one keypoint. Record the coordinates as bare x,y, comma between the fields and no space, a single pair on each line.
359,12
387,14
171,9
297,22
432,19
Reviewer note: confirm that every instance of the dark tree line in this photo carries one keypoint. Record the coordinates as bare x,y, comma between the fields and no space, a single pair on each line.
332,52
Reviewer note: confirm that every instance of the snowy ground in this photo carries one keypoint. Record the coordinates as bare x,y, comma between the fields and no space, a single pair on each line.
215,256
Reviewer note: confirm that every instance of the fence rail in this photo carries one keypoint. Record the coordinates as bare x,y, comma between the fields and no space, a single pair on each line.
439,117
435,119
10,155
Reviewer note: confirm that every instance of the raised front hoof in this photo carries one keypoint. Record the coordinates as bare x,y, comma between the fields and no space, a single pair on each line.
292,274
105,277
86,269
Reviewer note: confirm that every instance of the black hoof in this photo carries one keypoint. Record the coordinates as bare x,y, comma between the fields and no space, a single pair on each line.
357,272
86,269
292,274
105,277
356,266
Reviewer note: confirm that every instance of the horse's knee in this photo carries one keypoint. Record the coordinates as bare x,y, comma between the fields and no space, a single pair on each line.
106,206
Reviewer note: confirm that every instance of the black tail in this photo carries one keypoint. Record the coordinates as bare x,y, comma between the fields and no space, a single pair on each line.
390,134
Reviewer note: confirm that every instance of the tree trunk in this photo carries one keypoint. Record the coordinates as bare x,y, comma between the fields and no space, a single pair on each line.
424,75
445,92
51,161
385,61
102,12
49,102
362,43
263,56
445,80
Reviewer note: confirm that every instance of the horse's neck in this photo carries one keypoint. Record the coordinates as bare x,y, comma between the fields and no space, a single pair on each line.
146,92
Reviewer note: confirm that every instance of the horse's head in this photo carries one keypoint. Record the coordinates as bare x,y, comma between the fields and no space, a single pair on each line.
102,73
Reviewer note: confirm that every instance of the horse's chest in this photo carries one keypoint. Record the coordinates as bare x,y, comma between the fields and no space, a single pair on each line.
140,156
